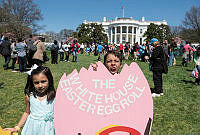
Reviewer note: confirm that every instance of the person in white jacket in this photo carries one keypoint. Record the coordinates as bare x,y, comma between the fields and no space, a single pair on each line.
66,47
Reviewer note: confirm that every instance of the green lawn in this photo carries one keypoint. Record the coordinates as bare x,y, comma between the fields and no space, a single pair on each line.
175,113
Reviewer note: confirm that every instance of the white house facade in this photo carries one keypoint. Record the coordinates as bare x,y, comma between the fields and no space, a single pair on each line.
126,29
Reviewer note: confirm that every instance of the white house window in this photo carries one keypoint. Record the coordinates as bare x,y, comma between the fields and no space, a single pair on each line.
118,29
113,30
135,30
140,31
123,29
129,29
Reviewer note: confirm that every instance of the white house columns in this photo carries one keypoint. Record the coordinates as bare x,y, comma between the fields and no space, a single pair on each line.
122,33
126,33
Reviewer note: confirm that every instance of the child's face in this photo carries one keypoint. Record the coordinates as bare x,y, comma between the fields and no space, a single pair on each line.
40,82
113,63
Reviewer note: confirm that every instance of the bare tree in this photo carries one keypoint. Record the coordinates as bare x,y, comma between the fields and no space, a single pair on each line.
22,15
175,31
66,33
191,25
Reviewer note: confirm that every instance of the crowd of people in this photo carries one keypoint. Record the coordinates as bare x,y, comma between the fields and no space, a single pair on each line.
31,52
24,52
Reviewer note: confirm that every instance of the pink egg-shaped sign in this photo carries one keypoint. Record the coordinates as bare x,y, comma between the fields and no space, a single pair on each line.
99,103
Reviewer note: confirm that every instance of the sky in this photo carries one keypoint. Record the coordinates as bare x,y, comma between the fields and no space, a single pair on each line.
69,14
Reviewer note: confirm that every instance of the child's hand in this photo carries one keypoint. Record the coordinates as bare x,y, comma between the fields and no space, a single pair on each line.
12,130
94,66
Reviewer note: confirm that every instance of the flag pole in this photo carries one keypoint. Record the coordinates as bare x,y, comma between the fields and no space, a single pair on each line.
123,11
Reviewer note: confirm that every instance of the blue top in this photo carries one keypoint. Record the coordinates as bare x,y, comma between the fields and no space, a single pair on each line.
21,49
100,48
40,120
142,49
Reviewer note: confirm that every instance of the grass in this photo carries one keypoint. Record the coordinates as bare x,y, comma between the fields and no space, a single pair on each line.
175,113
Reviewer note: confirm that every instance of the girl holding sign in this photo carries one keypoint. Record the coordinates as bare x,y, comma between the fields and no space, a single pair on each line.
39,112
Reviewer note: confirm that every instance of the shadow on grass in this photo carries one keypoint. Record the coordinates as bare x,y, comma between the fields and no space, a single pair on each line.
187,81
178,65
189,70
1,85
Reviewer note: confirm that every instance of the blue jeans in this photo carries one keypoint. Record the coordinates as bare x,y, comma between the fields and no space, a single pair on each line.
99,57
61,56
22,63
13,63
7,60
74,56
171,57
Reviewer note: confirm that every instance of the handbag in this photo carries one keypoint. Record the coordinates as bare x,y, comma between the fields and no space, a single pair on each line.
195,73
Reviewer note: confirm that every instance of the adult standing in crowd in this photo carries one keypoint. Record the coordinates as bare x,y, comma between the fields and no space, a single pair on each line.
121,49
171,55
82,48
135,49
166,49
174,48
5,51
191,53
95,50
186,54
159,66
21,52
31,50
146,52
99,49
106,48
126,50
66,47
13,55
61,51
74,47
38,56
113,48
54,52
142,52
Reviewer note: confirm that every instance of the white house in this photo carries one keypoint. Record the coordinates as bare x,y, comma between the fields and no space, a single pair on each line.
126,29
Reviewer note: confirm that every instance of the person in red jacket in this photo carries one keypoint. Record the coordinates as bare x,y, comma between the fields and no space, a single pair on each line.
121,48
75,47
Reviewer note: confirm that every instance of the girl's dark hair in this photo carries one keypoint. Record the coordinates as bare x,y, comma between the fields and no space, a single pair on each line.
115,53
51,93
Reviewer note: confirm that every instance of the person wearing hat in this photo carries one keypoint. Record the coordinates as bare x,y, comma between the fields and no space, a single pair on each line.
159,66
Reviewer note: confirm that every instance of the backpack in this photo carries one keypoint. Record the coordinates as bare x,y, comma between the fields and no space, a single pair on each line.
33,47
